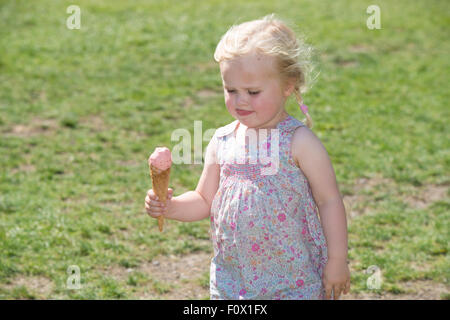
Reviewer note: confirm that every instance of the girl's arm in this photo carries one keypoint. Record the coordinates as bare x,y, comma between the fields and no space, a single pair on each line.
196,205
312,158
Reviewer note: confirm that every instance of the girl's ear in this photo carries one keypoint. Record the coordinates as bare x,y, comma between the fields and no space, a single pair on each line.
289,87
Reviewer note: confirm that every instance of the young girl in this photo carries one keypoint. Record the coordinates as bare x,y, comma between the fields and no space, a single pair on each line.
268,240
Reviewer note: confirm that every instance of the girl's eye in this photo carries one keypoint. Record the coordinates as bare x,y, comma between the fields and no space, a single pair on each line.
250,92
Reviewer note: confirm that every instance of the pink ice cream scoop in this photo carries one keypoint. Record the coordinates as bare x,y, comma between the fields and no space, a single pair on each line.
161,158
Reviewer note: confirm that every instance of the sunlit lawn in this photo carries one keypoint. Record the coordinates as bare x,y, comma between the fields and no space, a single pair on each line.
81,110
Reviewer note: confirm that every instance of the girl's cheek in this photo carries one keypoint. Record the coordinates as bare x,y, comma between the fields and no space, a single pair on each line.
229,104
228,107
257,102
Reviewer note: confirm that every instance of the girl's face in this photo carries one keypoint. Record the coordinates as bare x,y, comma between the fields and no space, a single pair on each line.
254,91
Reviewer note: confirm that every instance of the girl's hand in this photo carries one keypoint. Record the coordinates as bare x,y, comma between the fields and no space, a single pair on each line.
336,277
153,206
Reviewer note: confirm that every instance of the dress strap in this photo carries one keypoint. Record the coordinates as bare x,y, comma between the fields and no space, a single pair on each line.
289,125
287,129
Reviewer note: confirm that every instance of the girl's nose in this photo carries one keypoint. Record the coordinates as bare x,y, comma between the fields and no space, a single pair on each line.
241,100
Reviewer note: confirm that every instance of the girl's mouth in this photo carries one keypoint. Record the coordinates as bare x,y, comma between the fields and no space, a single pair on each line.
243,112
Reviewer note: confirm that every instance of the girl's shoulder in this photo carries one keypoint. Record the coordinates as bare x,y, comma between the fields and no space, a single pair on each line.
306,146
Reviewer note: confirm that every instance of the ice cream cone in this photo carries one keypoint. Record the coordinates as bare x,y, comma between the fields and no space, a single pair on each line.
160,182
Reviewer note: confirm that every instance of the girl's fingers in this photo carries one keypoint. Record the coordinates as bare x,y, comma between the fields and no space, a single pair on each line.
154,213
150,193
337,292
157,204
148,200
341,289
347,287
153,202
155,209
328,289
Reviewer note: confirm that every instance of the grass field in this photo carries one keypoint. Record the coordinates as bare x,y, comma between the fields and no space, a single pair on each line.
81,110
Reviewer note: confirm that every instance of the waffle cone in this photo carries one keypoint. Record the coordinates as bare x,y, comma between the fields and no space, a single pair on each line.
160,183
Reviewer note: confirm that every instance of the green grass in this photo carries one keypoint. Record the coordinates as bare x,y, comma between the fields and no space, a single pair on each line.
81,110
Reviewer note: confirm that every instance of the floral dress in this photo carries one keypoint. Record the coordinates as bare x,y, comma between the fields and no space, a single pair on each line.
266,233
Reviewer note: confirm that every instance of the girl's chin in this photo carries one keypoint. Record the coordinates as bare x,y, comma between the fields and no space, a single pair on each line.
246,122
248,118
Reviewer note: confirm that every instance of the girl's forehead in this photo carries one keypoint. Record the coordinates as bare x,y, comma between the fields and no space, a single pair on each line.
249,67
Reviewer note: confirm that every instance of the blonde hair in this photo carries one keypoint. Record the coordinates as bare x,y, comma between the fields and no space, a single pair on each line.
272,37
